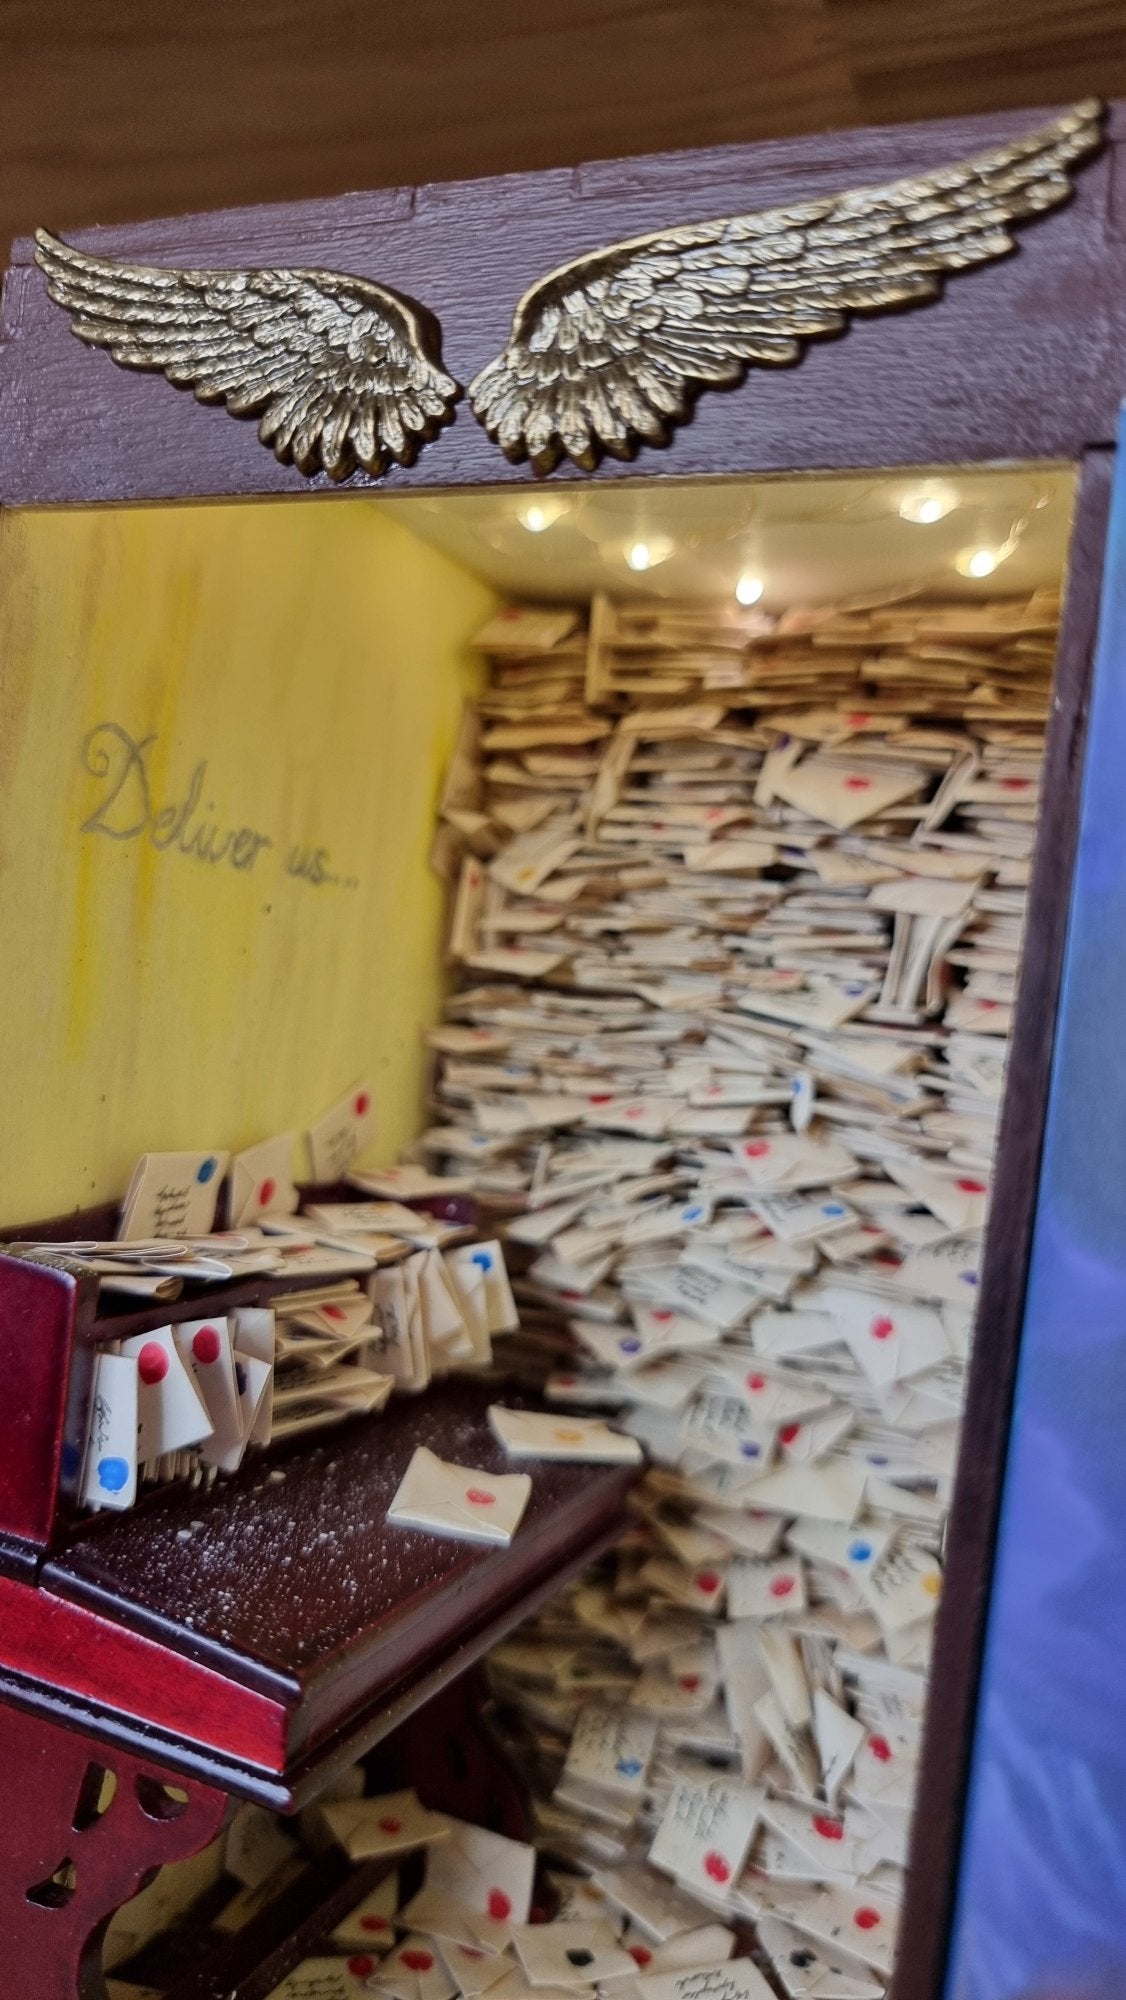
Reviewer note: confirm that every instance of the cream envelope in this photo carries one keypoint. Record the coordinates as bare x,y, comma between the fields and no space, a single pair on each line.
414,1971
171,1413
562,1954
765,1589
793,1160
730,1979
862,1922
256,1845
109,1472
810,1974
205,1349
261,1181
727,1427
538,1434
392,1824
253,1332
612,1748
905,1586
473,1969
709,1945
705,1833
831,1491
843,793
459,1501
341,1133
369,1925
487,1873
658,1908
172,1195
792,1744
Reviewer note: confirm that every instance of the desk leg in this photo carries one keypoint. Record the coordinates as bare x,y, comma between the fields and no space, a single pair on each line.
83,1826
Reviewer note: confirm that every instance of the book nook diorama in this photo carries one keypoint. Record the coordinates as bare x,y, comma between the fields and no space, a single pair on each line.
488,1536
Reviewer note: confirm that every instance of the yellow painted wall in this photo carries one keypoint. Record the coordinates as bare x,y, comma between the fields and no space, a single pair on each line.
312,657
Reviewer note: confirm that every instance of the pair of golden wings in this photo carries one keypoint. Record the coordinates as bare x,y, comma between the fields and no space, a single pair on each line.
604,353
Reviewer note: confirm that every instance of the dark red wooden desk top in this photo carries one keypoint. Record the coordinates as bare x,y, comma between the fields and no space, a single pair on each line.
287,1581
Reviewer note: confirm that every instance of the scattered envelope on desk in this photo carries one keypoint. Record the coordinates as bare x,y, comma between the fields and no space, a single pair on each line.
543,1434
415,1970
205,1350
261,1181
730,1979
172,1194
457,1500
109,1475
491,1875
569,1954
171,1412
811,1974
341,1133
369,1925
392,1824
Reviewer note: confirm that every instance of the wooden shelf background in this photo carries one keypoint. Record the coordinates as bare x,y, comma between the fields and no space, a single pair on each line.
113,113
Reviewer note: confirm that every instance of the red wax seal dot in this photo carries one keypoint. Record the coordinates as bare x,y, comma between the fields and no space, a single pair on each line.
866,1920
782,1586
499,1905
989,1005
640,1954
373,1923
757,1383
206,1344
971,1187
361,1104
858,720
881,1748
601,1097
663,1315
477,1496
361,1966
716,1867
152,1363
334,1312
708,1581
858,784
689,1682
756,1149
829,1829
566,1381
390,1825
882,1329
788,1433
266,1193
1016,784
417,1961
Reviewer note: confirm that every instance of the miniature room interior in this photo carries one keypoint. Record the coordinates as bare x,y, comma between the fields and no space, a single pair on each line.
504,1036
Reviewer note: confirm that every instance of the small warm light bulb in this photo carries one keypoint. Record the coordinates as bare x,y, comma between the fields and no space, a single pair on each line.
978,562
926,505
749,589
535,519
639,556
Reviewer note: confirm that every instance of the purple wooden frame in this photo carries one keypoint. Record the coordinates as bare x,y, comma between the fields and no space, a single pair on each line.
1022,360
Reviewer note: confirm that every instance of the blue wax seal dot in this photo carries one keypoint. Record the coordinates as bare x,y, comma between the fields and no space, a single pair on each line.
860,1552
691,1214
630,1346
482,1259
113,1474
630,1767
968,1277
831,1208
240,1378
853,988
205,1172
876,1458
479,1139
748,1449
795,1087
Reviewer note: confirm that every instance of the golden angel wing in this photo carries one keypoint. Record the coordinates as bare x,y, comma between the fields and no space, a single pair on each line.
342,371
613,348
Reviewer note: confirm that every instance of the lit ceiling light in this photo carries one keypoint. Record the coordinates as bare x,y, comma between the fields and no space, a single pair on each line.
540,514
646,555
749,589
982,561
925,505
